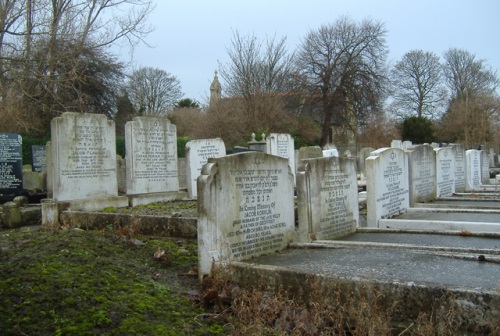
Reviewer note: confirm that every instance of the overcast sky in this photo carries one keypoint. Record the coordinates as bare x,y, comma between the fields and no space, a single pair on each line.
191,36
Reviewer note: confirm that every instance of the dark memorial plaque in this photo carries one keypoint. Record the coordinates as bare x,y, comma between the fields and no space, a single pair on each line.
11,163
38,158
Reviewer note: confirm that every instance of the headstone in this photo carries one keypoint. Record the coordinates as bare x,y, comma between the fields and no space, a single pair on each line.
151,159
197,154
310,152
459,151
473,169
445,171
387,184
121,174
282,145
327,193
406,145
38,158
363,153
331,152
485,167
422,174
492,157
397,144
11,163
83,157
259,146
245,208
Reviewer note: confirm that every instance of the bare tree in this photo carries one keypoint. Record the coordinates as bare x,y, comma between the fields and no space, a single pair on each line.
343,64
467,76
418,87
153,91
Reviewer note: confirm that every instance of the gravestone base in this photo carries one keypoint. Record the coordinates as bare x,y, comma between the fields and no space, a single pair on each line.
142,199
50,212
96,204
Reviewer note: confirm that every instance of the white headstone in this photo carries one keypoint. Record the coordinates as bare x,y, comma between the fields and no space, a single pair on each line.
422,174
83,156
245,208
327,193
485,167
407,145
445,171
151,156
363,153
386,184
473,169
197,154
282,145
459,167
396,144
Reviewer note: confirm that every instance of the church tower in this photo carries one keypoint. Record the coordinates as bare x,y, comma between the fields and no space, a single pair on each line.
215,90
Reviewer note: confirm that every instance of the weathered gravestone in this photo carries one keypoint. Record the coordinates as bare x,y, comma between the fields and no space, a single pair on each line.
386,184
363,153
327,193
485,167
397,144
83,161
445,171
38,158
422,174
282,145
151,160
197,154
245,208
11,163
472,169
459,152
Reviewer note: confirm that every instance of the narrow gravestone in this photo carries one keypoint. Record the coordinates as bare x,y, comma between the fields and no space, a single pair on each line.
83,157
472,169
386,184
245,208
151,156
197,154
485,167
363,153
422,174
38,158
11,163
327,193
282,145
459,152
445,171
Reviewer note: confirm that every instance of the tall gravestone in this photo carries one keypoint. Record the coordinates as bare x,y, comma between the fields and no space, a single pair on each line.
459,153
151,160
361,156
472,169
485,167
11,163
83,156
445,171
197,154
327,193
245,208
38,158
386,184
282,145
422,174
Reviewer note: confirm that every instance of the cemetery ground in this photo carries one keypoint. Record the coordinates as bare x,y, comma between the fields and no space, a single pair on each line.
117,281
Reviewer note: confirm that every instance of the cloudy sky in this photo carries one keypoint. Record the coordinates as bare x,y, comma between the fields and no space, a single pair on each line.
191,36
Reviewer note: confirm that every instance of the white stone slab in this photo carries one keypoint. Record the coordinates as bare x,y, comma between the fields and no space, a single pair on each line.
282,145
459,150
397,144
83,156
485,167
245,208
473,169
422,174
151,147
197,154
387,184
445,171
327,193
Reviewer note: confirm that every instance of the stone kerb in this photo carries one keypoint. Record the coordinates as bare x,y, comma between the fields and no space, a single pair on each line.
485,167
459,151
422,174
327,193
151,160
445,171
245,208
472,169
83,157
197,154
387,184
282,145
